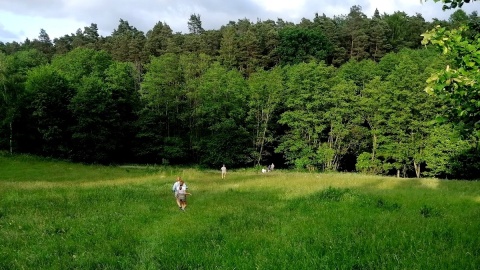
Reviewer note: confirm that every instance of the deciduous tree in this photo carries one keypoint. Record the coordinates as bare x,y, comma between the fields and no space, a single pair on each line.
265,95
13,99
220,114
51,95
299,45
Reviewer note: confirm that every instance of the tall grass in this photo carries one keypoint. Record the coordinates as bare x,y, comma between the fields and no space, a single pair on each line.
96,217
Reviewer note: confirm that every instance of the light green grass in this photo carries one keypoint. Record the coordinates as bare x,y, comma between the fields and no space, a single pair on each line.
95,217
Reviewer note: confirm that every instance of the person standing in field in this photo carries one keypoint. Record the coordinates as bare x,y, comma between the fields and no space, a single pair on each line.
182,196
224,171
176,187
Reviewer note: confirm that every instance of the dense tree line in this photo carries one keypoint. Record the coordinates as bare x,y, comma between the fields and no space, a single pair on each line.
338,94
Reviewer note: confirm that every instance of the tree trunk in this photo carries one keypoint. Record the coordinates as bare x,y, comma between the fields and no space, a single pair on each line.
351,49
417,169
398,173
263,140
11,138
374,147
11,119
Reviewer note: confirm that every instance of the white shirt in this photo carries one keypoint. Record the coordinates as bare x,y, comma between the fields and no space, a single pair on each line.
176,185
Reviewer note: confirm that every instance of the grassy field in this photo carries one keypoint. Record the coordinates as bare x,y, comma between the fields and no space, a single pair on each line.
59,215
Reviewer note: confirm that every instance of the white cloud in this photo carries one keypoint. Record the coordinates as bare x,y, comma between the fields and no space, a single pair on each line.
281,6
22,27
20,19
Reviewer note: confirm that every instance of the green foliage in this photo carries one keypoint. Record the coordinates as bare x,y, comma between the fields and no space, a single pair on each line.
355,29
378,40
164,103
360,72
229,48
264,98
43,44
466,165
299,45
397,111
323,124
366,164
174,149
195,24
158,39
456,86
405,30
81,63
92,109
161,86
458,18
16,130
50,96
222,135
306,86
443,149
127,44
101,109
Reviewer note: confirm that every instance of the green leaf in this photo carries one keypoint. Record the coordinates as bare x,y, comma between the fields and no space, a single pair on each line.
440,119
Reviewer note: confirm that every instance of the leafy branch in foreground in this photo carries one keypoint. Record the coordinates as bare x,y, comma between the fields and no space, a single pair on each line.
451,4
457,85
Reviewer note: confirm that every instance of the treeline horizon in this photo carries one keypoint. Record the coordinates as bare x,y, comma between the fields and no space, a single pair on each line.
334,40
332,94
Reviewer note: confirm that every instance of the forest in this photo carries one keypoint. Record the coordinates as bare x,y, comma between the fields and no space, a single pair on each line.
349,93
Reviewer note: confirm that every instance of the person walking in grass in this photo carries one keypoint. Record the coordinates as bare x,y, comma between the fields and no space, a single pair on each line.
224,171
182,196
176,187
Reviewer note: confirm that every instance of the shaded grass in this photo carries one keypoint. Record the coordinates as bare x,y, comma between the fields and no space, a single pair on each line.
27,168
281,220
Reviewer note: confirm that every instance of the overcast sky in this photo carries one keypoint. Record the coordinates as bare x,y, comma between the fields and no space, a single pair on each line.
21,19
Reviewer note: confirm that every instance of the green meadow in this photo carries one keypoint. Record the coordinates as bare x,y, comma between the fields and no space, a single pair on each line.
60,215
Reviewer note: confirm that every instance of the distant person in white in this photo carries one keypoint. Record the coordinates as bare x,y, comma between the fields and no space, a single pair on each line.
224,171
